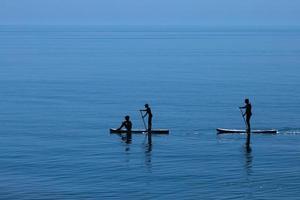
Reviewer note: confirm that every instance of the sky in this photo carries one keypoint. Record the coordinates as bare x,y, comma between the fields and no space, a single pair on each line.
150,12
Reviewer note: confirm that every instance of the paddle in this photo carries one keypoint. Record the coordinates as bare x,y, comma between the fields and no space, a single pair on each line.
143,119
243,117
248,133
147,133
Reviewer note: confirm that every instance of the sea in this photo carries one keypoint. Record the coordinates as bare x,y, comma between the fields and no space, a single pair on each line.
63,87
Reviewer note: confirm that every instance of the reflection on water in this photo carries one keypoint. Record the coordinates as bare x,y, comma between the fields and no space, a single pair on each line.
148,156
127,147
248,171
62,87
248,160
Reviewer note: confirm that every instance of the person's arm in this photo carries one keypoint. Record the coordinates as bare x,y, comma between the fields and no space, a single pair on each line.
144,110
243,107
145,114
122,125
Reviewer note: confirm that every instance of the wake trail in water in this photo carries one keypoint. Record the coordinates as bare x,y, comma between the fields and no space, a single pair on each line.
289,131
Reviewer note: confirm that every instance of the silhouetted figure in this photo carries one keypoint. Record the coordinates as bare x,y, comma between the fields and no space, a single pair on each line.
248,114
128,125
149,113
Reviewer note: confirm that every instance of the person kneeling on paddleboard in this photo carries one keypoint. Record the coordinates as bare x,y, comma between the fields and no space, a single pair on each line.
128,125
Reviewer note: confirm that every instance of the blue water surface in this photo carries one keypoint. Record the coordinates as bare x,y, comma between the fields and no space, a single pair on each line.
62,88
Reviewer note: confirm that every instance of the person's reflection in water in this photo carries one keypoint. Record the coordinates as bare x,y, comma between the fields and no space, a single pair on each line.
127,147
249,191
127,142
148,156
248,160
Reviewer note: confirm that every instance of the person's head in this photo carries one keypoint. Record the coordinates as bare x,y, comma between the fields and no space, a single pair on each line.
146,105
247,101
127,117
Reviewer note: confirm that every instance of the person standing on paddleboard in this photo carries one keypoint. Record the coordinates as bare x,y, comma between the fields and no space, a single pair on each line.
149,113
247,113
128,125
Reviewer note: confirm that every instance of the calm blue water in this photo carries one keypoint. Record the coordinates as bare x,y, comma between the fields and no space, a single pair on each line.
62,88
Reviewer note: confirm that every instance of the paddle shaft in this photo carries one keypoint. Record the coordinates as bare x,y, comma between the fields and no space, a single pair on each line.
243,117
247,131
149,134
143,120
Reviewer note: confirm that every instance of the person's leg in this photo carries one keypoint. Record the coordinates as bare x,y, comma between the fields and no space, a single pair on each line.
149,131
248,123
149,123
248,131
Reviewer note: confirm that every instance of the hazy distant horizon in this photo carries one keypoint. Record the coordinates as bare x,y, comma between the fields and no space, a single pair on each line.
145,12
161,25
